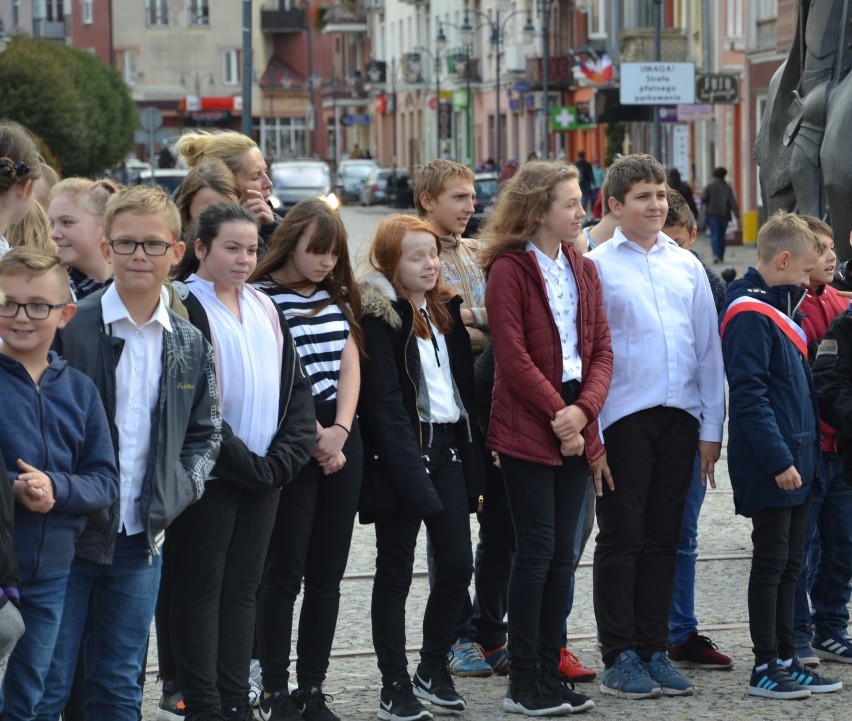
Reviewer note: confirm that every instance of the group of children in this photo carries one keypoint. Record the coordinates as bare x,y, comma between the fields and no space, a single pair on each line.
187,383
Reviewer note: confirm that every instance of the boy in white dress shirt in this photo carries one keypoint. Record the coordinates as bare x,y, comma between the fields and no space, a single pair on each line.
666,399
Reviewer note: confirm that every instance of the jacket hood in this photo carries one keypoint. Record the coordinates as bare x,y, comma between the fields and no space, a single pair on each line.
57,365
378,297
786,298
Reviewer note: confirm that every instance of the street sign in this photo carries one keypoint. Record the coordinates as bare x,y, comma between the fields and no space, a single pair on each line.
717,88
657,83
668,114
151,119
572,117
686,113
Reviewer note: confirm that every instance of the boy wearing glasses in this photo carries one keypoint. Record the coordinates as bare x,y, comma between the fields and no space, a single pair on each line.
155,375
54,441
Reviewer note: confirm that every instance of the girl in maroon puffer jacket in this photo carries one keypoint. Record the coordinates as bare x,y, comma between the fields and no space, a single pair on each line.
553,367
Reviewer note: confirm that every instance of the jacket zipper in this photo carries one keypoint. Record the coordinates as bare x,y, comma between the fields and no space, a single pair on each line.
46,452
408,373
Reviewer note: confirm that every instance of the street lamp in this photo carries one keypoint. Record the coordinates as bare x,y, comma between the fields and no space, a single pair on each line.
497,38
544,14
436,60
375,74
195,76
463,55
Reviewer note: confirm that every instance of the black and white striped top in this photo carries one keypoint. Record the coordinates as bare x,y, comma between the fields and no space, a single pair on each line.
319,338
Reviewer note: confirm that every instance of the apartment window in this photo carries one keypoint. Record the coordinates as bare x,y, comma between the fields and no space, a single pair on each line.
156,13
734,18
88,12
128,67
231,67
52,10
199,12
597,18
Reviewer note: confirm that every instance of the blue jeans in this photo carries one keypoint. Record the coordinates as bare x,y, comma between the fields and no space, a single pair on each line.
827,567
717,225
682,619
41,609
109,608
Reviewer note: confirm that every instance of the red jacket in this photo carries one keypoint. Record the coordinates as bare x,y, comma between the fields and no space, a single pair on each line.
818,311
528,357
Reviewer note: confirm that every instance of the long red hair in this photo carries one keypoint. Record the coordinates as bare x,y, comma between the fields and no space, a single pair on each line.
385,254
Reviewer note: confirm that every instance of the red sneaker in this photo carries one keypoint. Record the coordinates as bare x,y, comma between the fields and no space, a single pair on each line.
699,652
571,668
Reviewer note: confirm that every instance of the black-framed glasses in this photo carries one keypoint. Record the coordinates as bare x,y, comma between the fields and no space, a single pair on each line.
34,311
149,247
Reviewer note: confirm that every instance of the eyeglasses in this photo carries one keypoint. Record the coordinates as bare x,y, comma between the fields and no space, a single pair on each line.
34,311
149,247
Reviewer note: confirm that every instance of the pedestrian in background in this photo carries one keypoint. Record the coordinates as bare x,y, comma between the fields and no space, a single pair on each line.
719,205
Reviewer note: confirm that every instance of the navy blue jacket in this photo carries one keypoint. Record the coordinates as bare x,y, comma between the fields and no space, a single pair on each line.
773,421
58,426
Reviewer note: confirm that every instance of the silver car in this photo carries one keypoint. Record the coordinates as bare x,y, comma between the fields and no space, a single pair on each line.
295,180
375,188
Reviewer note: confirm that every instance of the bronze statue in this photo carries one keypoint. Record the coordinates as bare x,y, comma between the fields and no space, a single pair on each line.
803,148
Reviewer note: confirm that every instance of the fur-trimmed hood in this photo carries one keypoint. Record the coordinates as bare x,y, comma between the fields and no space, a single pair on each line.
378,297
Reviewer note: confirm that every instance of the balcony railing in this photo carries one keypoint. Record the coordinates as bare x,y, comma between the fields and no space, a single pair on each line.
283,21
49,29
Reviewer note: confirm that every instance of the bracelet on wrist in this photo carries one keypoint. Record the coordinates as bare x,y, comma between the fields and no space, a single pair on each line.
340,425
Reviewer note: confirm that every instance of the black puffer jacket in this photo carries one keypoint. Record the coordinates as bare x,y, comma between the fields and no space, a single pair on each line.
395,477
9,576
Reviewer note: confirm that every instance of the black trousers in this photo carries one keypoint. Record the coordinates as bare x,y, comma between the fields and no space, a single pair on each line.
396,537
651,455
310,541
219,547
546,503
778,537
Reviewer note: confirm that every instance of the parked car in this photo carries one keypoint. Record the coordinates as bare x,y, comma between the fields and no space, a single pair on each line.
169,179
487,186
351,175
375,188
295,180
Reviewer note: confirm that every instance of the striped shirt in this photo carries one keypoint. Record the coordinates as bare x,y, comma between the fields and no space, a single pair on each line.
319,338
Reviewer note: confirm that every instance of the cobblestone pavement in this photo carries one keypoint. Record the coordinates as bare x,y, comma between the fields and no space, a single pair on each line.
722,574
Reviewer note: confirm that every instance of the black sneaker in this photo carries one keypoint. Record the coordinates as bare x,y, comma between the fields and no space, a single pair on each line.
310,702
533,696
775,682
238,714
565,690
398,703
278,707
811,680
435,685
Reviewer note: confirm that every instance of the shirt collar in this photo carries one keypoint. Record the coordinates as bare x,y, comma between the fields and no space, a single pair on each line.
113,309
619,239
449,241
560,262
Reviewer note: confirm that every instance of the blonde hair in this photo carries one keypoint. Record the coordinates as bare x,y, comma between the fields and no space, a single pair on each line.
33,231
522,202
786,231
34,263
143,200
432,177
226,145
91,195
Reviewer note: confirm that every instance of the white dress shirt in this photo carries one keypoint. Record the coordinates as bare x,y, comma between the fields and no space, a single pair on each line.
137,391
664,330
435,360
563,299
250,377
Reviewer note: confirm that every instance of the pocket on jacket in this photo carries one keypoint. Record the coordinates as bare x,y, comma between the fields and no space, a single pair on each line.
174,498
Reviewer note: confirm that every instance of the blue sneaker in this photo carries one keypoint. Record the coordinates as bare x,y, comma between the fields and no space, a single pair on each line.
466,659
498,659
775,682
628,678
810,679
806,655
663,673
832,648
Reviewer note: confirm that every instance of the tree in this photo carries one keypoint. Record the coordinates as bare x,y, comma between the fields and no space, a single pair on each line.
80,108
